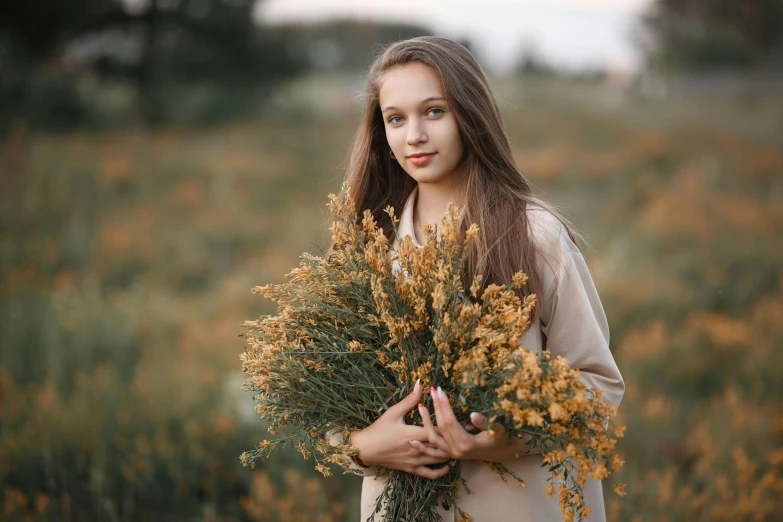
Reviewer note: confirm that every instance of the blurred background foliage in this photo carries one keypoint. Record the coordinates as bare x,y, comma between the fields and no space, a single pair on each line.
160,158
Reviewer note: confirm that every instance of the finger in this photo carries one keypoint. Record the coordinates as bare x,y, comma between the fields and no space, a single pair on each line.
430,450
430,473
426,459
408,402
439,419
493,436
482,422
413,432
470,428
450,427
436,405
498,430
433,436
478,420
425,442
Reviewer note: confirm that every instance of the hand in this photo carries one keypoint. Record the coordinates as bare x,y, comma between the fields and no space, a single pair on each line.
452,439
387,442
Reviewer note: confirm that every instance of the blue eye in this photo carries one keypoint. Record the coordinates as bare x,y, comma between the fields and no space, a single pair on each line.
391,120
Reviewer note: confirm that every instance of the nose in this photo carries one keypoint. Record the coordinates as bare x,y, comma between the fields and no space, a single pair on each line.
416,132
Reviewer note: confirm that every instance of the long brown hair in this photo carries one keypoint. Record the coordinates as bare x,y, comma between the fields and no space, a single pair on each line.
496,196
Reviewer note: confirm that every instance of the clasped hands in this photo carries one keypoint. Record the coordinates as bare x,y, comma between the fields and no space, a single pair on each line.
448,438
384,442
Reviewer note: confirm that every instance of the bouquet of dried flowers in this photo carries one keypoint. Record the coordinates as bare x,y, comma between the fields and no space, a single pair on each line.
352,335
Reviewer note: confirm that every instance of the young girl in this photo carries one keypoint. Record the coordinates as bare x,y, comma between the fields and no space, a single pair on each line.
432,133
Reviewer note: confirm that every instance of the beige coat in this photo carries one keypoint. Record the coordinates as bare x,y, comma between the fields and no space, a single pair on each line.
572,324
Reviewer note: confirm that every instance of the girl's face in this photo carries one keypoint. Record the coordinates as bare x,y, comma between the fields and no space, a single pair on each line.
418,120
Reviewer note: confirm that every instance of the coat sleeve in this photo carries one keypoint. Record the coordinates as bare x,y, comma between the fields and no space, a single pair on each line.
572,318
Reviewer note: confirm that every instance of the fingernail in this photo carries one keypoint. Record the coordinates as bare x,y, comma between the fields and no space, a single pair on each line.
417,386
421,407
433,392
440,393
473,416
411,443
452,462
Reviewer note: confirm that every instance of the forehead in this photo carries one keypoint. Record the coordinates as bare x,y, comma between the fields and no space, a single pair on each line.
409,84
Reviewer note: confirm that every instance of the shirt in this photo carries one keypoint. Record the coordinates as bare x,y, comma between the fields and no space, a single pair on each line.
571,323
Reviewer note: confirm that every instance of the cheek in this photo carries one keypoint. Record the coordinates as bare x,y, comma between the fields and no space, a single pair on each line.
395,139
448,134
457,142
453,141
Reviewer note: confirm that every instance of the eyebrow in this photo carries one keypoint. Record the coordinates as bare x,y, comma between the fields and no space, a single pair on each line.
430,99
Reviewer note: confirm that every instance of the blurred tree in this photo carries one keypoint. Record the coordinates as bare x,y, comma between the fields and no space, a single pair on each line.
532,63
711,34
150,42
346,45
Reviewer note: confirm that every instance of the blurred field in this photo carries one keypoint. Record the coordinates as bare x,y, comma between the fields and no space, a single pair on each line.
127,260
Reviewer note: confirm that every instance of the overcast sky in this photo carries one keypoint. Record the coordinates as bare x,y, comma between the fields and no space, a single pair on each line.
569,33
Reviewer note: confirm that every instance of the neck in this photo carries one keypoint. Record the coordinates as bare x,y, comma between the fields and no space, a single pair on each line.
431,203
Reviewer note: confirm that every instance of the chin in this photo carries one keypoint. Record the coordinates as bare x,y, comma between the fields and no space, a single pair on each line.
429,177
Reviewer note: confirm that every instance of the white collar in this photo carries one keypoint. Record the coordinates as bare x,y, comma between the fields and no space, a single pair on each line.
405,226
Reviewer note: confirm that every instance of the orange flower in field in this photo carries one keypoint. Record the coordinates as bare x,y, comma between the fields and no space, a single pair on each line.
190,192
117,167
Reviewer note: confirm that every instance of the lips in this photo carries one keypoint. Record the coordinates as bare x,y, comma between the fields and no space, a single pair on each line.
420,158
